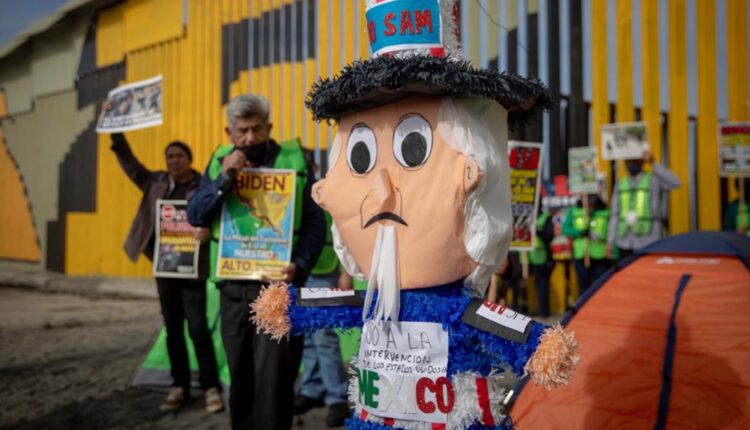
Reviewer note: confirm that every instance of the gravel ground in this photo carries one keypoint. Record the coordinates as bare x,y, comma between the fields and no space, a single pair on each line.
66,362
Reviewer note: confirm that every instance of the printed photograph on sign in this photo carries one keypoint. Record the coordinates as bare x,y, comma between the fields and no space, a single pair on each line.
583,170
175,247
525,159
132,107
624,141
734,149
399,366
257,225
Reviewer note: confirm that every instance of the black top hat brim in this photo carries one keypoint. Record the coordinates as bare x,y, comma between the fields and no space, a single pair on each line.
370,83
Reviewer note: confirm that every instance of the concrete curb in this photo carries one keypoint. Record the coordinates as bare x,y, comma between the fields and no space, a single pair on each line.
132,288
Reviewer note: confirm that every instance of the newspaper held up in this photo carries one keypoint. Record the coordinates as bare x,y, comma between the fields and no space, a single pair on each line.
133,106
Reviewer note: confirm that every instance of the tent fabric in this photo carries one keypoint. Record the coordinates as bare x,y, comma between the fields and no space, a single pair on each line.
624,332
702,242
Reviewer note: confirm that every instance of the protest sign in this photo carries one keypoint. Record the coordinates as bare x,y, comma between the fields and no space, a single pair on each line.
257,225
175,247
734,149
132,107
402,371
582,168
624,141
525,173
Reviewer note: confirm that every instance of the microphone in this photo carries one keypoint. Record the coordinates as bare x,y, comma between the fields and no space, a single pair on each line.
252,153
231,174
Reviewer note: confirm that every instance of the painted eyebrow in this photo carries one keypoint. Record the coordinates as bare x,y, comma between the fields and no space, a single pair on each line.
359,124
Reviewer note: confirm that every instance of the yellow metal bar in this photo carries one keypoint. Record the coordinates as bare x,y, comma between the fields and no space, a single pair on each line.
737,68
707,155
254,74
679,208
311,126
737,48
334,44
651,112
472,51
110,36
350,26
364,41
492,35
625,112
599,102
324,53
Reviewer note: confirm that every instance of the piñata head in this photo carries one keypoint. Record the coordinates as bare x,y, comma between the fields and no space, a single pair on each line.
418,171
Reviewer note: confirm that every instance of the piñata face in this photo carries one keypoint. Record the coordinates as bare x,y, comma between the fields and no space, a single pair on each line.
391,166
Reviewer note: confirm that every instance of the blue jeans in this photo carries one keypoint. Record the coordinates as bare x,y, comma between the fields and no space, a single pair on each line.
323,376
541,281
588,276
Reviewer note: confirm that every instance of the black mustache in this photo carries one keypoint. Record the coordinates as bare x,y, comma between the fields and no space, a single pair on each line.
386,215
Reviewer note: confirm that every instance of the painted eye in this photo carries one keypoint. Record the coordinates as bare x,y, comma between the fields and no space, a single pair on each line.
412,141
361,149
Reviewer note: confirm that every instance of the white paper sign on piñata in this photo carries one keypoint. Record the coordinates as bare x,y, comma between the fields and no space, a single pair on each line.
402,371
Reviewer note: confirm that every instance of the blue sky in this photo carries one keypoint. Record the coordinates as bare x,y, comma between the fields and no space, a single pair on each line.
16,15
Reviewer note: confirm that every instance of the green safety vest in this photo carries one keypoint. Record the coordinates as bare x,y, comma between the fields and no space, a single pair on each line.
743,216
327,262
290,157
538,255
636,199
597,225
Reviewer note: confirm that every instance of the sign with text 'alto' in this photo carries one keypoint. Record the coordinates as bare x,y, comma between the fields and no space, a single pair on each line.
395,25
257,225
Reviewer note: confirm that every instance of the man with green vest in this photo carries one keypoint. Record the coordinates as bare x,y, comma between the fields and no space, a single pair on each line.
588,231
262,370
540,259
737,215
635,218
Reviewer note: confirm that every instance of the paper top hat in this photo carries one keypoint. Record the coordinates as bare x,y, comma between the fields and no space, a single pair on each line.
416,50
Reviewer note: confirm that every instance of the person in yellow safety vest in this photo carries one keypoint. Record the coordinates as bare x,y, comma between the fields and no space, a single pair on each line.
540,260
588,231
737,215
257,363
635,217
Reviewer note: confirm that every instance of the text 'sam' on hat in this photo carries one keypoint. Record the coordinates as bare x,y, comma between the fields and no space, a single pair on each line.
416,50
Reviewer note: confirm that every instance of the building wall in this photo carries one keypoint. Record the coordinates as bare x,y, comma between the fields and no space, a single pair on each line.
604,61
40,120
39,141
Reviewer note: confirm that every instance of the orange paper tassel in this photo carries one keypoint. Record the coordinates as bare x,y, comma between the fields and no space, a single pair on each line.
555,360
269,311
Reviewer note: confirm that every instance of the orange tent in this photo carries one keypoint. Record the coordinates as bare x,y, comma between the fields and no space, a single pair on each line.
664,342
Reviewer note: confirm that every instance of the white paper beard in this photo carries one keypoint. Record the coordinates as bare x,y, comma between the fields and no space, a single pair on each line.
345,256
384,275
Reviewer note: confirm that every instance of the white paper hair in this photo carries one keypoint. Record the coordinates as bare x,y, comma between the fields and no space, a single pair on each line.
478,128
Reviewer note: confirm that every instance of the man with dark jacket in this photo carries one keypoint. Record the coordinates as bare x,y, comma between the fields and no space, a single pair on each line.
262,370
180,299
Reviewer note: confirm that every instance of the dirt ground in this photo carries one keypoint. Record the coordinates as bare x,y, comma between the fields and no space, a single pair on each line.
66,362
